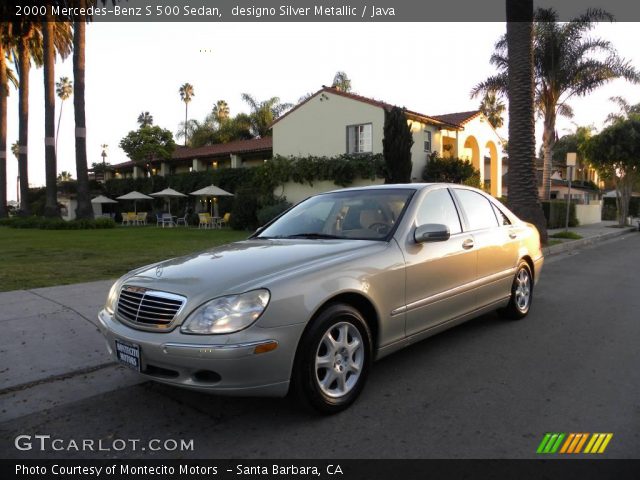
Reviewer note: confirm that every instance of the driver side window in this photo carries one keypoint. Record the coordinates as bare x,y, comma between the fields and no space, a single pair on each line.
438,207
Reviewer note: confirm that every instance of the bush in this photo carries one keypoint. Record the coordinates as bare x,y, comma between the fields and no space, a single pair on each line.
243,213
268,213
451,170
610,210
555,211
57,223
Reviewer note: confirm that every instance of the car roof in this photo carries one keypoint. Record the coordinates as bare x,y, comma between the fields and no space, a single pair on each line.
401,186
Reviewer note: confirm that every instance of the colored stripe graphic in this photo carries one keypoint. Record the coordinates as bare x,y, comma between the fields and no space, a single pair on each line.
573,443
550,443
598,443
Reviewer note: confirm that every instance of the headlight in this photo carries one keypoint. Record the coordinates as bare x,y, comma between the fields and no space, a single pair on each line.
227,314
110,306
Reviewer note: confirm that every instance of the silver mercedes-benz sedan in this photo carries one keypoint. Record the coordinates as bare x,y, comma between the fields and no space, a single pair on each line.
307,302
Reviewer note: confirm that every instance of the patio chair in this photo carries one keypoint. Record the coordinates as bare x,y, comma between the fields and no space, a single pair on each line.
158,219
167,220
129,218
224,221
182,220
141,218
204,220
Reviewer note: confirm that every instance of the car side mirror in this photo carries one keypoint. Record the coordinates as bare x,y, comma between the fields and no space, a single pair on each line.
431,232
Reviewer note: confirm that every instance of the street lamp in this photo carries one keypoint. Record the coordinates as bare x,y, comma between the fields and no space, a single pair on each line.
571,162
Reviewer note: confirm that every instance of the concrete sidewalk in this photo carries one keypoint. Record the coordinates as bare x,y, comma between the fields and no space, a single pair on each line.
597,232
52,353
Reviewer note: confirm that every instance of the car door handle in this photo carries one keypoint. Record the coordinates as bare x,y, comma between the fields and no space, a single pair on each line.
512,235
467,244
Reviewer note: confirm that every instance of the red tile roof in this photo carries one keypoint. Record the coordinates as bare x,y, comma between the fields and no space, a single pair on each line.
376,103
239,146
254,145
458,118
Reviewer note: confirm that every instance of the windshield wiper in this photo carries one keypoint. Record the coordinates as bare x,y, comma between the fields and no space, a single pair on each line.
312,235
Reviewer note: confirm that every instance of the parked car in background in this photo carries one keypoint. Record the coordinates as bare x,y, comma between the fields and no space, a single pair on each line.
306,303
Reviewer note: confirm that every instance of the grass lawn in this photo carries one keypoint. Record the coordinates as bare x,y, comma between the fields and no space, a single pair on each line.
31,258
568,235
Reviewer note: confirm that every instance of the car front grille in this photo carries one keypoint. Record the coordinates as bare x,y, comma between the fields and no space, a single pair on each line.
149,309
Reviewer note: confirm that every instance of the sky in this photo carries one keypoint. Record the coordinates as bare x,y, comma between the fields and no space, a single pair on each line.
136,67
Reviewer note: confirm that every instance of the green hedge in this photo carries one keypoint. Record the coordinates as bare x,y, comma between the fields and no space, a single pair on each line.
555,212
610,210
56,223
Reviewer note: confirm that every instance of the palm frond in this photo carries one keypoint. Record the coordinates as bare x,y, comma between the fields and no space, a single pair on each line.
495,83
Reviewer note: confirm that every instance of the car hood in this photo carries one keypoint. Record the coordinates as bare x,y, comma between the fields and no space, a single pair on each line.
241,266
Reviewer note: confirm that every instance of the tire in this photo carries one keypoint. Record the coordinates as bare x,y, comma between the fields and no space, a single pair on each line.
330,370
521,294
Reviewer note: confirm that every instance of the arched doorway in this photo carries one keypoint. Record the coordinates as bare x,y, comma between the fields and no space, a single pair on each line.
495,169
471,152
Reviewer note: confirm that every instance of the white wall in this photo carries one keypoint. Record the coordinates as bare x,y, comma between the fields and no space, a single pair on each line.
319,127
588,214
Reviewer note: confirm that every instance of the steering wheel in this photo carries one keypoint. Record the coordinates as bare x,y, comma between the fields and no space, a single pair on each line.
379,227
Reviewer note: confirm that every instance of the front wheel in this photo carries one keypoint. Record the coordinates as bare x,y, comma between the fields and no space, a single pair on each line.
333,359
521,294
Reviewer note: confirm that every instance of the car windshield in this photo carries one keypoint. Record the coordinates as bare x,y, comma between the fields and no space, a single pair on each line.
351,214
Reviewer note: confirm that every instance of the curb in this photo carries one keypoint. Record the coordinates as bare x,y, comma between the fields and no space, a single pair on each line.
575,244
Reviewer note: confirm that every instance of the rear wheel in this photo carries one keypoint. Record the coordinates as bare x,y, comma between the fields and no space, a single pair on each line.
333,359
521,294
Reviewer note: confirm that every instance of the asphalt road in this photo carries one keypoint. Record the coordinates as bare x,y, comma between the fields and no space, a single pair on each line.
486,389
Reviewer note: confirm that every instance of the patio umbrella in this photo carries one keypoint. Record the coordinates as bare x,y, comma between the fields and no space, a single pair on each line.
168,193
102,199
135,196
212,191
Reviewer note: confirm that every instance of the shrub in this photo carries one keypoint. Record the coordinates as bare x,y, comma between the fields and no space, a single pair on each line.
269,212
243,213
56,223
610,210
555,211
451,170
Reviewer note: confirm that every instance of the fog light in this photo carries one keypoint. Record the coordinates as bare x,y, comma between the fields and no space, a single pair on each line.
266,347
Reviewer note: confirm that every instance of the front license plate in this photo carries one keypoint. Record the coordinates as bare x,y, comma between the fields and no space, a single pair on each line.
128,354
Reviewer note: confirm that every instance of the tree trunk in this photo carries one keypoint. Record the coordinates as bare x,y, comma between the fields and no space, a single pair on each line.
51,204
4,90
24,66
186,106
523,190
548,141
84,209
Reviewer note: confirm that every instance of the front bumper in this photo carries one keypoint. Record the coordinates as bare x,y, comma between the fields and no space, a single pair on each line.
222,364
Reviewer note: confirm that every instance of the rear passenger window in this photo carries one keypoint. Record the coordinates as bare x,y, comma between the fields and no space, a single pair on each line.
438,207
478,209
502,218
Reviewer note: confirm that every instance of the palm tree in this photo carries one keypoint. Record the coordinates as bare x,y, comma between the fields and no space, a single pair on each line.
220,111
56,39
5,77
493,108
64,176
564,66
84,210
64,89
29,46
264,113
626,109
519,86
145,119
341,82
186,93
